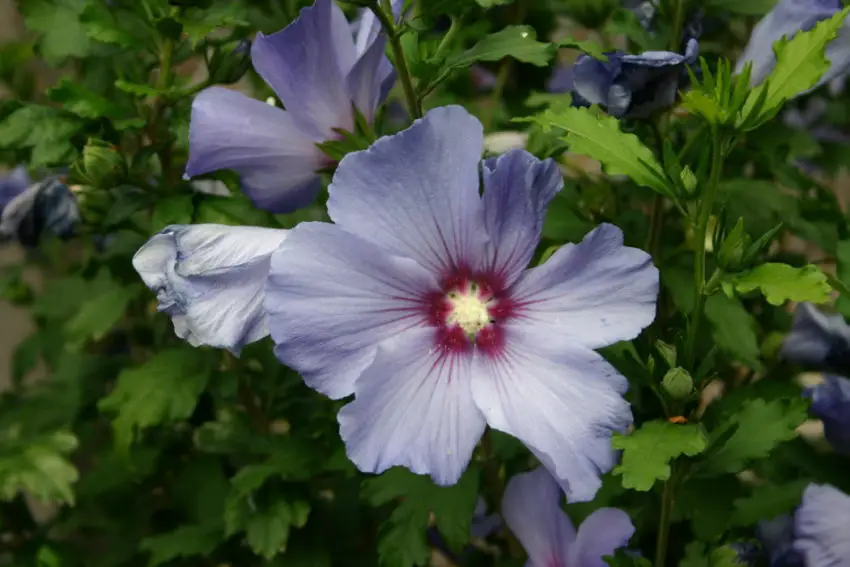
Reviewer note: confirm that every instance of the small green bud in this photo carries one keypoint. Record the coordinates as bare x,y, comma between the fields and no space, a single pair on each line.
678,383
230,62
732,253
103,166
591,14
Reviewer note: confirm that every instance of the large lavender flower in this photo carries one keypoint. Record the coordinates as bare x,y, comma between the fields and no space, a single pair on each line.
632,86
417,301
27,212
831,403
210,278
786,19
777,535
822,527
818,341
319,71
531,508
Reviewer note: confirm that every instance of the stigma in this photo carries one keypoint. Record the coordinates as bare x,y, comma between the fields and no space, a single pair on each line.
469,310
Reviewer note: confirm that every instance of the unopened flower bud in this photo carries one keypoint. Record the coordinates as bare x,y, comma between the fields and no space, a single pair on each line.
678,383
103,165
229,63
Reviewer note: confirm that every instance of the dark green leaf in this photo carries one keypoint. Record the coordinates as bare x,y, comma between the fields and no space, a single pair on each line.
733,329
61,34
176,209
185,541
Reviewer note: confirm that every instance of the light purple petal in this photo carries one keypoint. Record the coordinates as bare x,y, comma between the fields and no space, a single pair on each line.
210,279
602,533
561,401
415,193
822,527
13,184
818,340
368,27
366,81
592,79
785,19
275,160
532,510
517,189
413,408
306,64
332,297
594,293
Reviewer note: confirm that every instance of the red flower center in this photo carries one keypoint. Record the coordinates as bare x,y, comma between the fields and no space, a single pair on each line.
468,313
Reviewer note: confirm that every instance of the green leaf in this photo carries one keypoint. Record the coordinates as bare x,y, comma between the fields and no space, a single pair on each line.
768,501
164,389
780,283
268,532
234,211
748,8
176,209
800,63
600,137
519,42
44,130
98,315
648,451
842,258
697,555
733,329
116,26
403,539
38,466
185,541
707,503
623,558
83,102
57,22
759,426
198,23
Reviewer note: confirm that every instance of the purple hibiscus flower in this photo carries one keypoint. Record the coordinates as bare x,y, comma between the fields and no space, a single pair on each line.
777,535
786,19
28,210
626,85
532,510
818,341
418,301
209,279
831,404
319,71
822,527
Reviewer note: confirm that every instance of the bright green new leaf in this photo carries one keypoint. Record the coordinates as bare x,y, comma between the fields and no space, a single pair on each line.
185,541
38,466
733,329
760,427
404,537
98,315
800,63
648,451
768,501
780,283
176,209
163,390
599,137
61,35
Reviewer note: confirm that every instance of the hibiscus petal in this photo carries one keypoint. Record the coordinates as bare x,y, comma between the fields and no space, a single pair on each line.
413,408
332,297
821,525
275,160
594,293
416,193
366,81
831,403
306,64
531,507
517,189
210,278
592,79
563,402
602,533
818,340
13,184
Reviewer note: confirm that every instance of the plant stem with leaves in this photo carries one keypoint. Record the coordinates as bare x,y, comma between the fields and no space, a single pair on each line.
385,15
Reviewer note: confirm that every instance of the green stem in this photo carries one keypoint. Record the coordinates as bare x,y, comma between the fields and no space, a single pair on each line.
705,209
163,83
447,39
667,501
387,22
495,487
678,21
